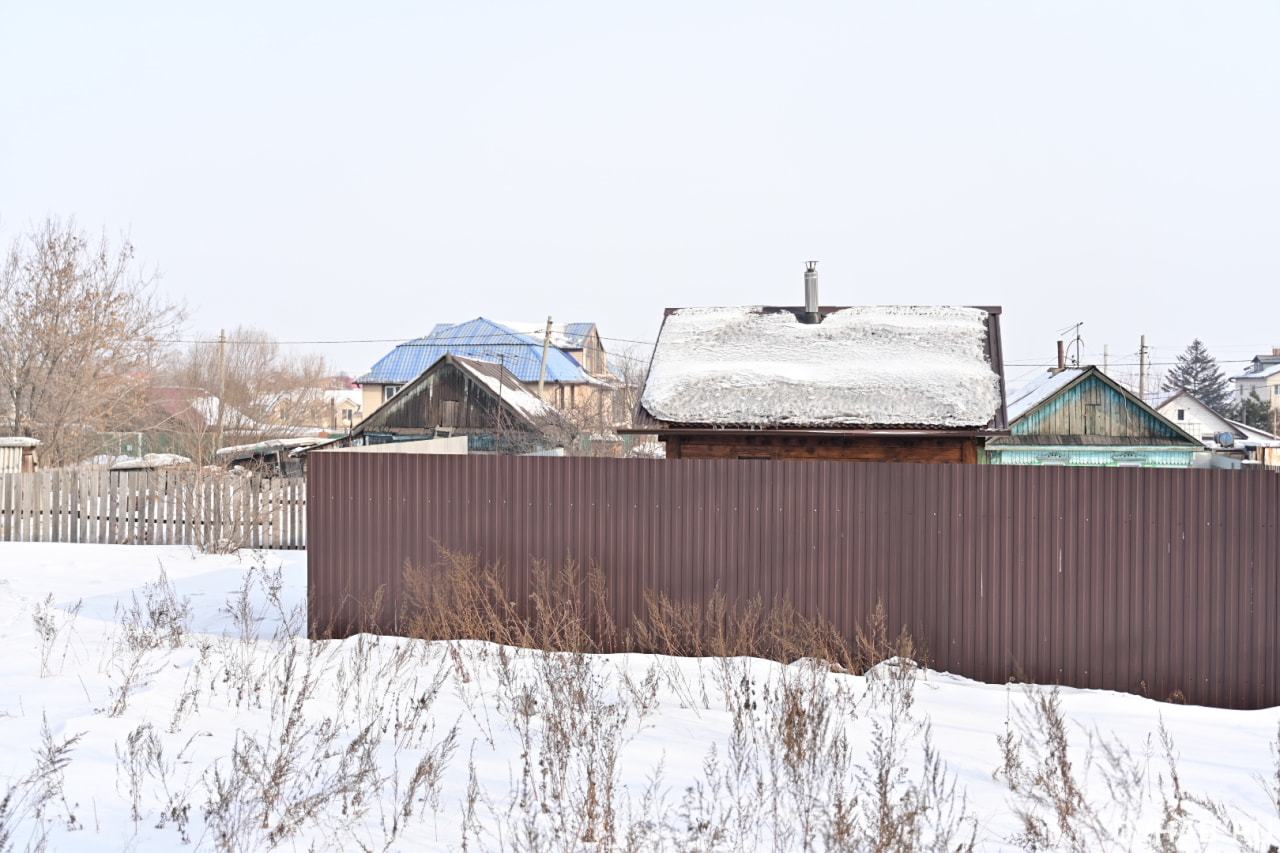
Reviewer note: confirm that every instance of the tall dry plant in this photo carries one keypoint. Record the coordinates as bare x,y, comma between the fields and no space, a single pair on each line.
569,610
563,610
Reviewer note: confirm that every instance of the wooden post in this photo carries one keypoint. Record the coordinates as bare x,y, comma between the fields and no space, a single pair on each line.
1142,369
542,372
222,384
6,507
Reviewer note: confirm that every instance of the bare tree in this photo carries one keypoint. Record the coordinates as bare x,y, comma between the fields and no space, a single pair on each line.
80,327
590,424
631,365
254,386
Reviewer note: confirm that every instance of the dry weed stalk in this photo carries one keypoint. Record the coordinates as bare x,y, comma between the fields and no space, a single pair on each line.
459,599
30,796
54,627
569,610
1051,791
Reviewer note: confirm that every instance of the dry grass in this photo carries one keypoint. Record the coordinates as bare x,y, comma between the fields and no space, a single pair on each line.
347,746
460,599
569,610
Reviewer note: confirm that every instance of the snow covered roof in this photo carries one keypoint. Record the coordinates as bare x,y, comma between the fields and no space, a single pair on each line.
269,444
483,339
563,335
506,387
1260,368
150,460
1253,435
1040,389
863,366
341,395
200,409
18,441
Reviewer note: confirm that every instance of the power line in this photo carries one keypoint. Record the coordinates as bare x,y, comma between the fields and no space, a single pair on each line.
486,340
399,341
1048,364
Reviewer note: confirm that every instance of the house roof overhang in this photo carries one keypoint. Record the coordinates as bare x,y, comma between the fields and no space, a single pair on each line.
870,432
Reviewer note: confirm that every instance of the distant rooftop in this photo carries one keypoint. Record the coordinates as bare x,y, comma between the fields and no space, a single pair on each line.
487,340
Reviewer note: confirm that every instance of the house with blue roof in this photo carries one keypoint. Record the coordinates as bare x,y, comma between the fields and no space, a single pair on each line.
573,376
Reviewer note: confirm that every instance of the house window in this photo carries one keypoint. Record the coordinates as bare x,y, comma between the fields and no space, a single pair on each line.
1182,414
389,391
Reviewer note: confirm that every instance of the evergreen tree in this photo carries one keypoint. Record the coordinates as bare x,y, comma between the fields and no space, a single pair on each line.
1198,373
1253,411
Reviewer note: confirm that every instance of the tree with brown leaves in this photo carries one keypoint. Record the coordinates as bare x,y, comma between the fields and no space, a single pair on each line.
80,328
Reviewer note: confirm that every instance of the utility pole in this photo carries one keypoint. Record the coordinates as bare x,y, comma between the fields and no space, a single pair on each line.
1106,359
542,372
222,380
1142,369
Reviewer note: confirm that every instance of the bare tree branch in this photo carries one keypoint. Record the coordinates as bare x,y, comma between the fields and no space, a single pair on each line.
80,328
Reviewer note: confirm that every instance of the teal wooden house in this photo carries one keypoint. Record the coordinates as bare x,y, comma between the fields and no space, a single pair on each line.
1081,416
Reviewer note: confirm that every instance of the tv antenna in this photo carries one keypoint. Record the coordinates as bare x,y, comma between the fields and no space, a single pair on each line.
1076,345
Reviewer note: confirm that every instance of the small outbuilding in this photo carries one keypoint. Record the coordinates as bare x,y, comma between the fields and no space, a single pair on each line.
18,454
885,383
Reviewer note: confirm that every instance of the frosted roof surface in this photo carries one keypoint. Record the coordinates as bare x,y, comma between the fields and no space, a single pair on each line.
1040,389
1258,371
512,393
890,365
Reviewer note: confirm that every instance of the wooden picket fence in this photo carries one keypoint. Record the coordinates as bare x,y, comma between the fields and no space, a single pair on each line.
209,510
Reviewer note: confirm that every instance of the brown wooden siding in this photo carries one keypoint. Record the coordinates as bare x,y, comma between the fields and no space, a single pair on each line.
445,398
1139,580
851,449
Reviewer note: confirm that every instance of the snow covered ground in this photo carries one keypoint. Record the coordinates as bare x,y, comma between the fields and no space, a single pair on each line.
156,698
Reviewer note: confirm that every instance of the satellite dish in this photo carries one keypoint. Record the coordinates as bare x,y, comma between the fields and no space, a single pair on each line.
1226,439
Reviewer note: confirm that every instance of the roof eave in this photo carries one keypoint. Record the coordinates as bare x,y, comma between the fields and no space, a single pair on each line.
831,432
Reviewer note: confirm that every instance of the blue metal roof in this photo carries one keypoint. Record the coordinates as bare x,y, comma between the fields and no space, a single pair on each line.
576,333
481,339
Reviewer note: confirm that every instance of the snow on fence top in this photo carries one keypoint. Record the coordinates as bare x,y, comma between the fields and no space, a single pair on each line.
862,366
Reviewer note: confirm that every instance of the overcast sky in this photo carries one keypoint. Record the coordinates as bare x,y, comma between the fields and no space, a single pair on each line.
331,171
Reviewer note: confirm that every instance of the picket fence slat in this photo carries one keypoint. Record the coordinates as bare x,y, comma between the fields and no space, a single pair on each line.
195,508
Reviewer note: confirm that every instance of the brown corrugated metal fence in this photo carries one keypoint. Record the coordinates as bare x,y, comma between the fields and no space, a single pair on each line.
1140,580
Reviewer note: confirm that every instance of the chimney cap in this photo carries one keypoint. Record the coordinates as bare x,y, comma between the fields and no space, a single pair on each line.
812,312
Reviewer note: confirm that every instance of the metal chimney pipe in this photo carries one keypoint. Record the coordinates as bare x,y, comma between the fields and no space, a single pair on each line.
811,312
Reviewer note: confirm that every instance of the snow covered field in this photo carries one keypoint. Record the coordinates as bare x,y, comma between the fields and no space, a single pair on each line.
146,711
